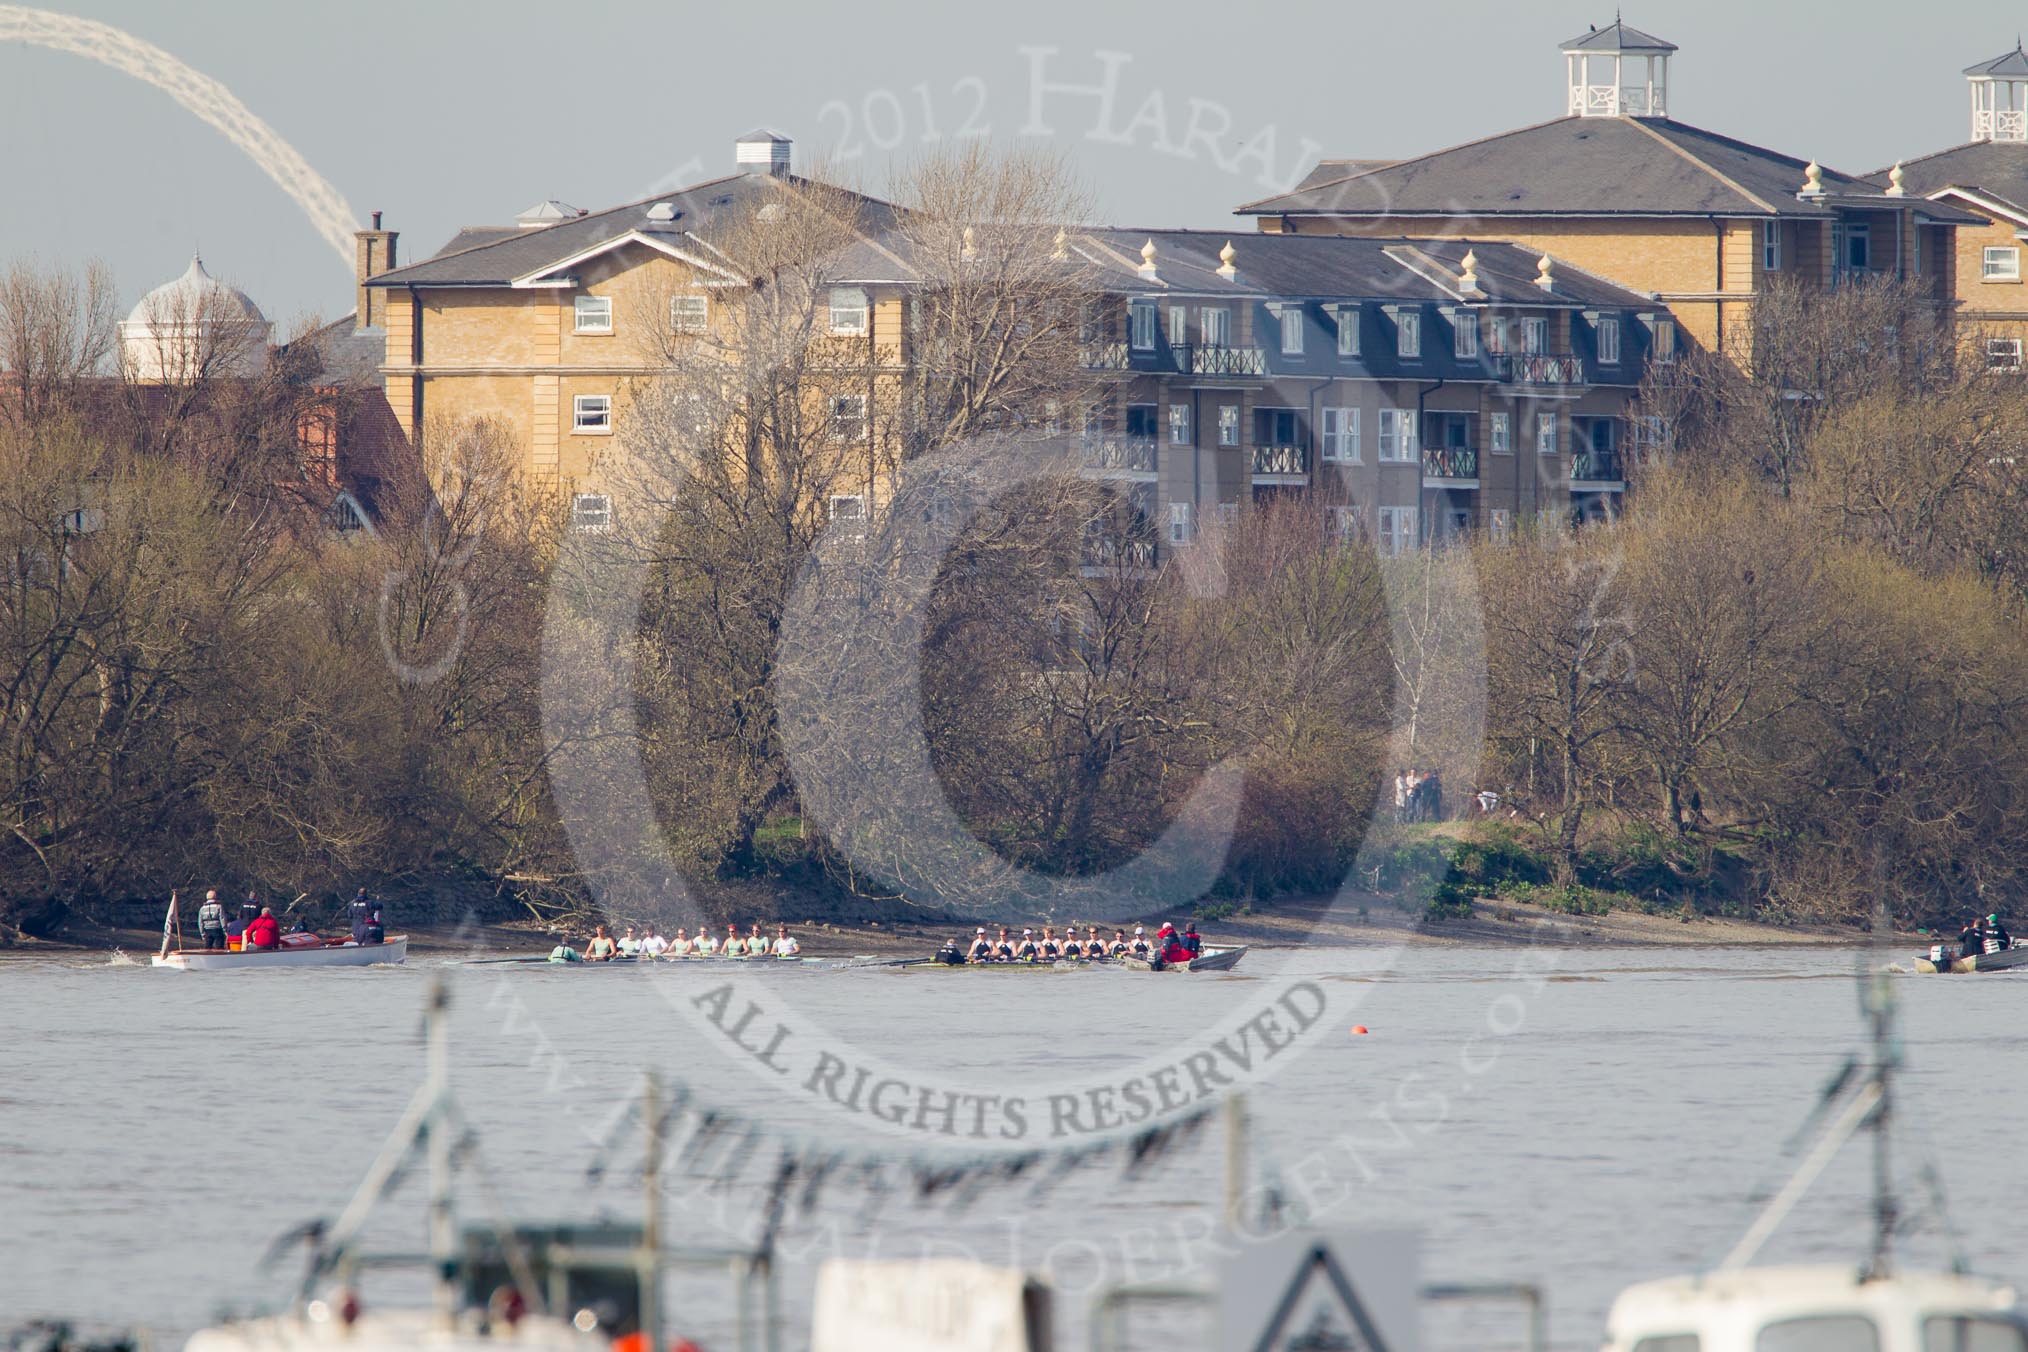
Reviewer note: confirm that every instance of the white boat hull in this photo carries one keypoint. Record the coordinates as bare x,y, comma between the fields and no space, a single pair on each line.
389,1331
395,950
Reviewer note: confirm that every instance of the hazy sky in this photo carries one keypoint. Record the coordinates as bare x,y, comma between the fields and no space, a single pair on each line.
446,114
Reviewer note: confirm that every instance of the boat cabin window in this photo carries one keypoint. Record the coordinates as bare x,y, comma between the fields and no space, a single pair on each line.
1972,1333
1820,1333
1668,1342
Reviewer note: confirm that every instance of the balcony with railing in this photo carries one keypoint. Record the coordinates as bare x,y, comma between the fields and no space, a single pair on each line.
1203,359
1280,462
1118,456
1108,550
1450,466
1536,368
1105,356
1596,470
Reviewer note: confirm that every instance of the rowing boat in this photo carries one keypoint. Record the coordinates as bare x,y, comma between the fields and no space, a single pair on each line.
1210,960
633,960
339,953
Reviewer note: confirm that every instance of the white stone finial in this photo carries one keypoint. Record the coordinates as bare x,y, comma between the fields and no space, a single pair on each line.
1894,177
969,249
1148,259
1468,278
1226,268
1061,250
1545,273
1813,180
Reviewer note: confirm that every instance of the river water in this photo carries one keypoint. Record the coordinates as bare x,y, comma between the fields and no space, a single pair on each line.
1580,1118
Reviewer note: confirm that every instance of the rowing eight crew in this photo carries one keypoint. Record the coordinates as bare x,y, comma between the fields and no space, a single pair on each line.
1167,945
650,945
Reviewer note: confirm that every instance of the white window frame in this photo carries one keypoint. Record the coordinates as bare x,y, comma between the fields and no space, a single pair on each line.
1664,351
689,314
1227,514
1142,321
2000,263
1340,433
1396,437
1547,435
1214,326
1609,340
1291,317
1396,531
1465,334
1500,522
851,312
2004,355
1179,325
1179,523
1408,334
1500,434
848,417
1347,523
854,520
1228,424
591,415
1348,330
1534,336
1770,246
591,513
1179,424
591,314
1851,232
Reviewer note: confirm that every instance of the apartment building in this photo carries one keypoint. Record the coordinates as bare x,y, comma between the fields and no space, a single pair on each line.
542,325
1986,177
1424,387
1697,220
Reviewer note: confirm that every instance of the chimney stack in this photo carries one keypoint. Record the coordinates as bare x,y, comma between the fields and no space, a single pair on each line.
762,152
374,253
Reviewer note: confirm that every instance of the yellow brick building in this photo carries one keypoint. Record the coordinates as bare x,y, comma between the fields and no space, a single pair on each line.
544,325
1697,220
1987,177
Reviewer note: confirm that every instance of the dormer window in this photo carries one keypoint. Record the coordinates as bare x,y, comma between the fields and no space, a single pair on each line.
1465,335
592,314
1347,318
1141,325
1292,330
1609,340
1408,334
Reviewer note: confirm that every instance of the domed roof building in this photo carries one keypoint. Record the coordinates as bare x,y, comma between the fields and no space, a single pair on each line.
193,327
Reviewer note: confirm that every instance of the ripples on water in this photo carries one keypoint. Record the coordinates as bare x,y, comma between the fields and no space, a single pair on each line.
1596,1127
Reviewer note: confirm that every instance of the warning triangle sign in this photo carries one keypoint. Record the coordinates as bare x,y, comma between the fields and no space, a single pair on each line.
1320,1312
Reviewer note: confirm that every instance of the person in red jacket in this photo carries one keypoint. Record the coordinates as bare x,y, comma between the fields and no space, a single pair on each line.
265,932
1168,943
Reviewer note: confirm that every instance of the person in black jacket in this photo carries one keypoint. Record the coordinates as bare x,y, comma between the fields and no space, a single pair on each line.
1971,941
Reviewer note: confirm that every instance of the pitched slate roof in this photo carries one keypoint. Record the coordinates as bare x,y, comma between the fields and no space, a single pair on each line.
1326,267
472,258
1617,38
1582,166
1995,170
2012,64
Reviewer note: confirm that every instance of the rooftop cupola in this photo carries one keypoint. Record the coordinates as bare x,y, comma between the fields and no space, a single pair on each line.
2000,97
762,152
1617,72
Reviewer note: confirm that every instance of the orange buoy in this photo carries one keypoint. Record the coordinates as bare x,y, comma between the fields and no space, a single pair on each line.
1358,1029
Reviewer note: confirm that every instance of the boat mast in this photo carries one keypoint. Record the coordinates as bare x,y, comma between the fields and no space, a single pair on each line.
437,1132
1878,998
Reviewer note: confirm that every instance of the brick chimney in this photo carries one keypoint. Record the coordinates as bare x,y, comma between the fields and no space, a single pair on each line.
374,255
